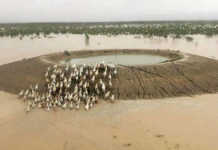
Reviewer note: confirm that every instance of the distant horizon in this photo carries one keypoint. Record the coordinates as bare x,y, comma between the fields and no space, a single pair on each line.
122,21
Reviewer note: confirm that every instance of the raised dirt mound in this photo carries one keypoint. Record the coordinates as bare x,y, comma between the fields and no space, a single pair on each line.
186,77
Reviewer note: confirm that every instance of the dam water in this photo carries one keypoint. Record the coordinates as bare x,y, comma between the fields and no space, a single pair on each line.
120,59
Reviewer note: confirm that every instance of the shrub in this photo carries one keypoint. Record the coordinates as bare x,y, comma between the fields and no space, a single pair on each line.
189,39
67,53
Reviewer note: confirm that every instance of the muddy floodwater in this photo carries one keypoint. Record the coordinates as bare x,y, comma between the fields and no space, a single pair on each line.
124,59
185,123
15,48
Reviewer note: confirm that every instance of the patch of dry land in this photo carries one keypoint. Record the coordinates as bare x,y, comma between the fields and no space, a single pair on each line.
186,123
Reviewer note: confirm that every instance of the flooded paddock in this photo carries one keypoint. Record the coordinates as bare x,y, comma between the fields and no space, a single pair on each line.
15,48
175,123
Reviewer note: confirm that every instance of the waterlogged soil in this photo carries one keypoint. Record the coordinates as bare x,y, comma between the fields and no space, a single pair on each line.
184,77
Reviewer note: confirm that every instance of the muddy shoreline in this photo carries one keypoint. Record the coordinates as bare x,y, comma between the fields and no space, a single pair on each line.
171,79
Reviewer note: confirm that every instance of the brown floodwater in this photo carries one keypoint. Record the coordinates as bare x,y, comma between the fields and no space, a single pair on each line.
185,123
14,49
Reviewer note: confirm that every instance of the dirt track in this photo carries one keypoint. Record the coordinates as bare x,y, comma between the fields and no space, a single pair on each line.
194,75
